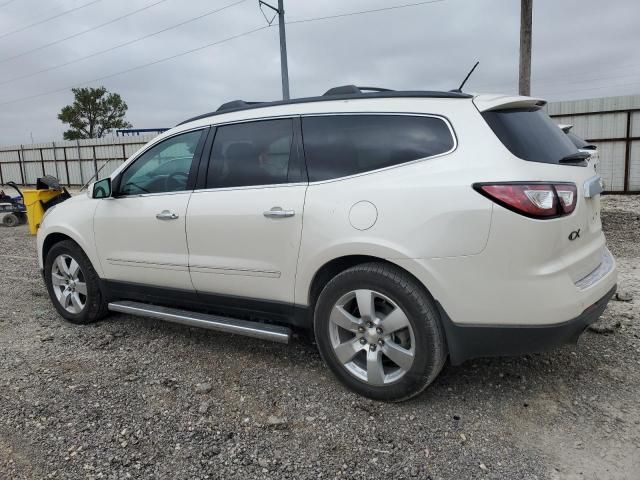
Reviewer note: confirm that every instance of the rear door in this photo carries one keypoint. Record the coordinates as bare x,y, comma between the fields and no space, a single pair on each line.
140,231
244,225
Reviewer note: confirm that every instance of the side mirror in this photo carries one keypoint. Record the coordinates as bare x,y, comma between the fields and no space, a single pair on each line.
102,188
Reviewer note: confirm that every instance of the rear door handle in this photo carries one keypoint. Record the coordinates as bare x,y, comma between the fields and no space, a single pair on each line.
166,215
278,212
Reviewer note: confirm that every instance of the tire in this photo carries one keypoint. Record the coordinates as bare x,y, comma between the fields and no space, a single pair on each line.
413,324
10,220
75,293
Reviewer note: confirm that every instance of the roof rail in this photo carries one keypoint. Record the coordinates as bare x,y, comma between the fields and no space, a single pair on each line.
235,105
352,89
332,95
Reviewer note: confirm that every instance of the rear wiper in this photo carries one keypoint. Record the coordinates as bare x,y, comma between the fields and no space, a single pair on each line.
578,157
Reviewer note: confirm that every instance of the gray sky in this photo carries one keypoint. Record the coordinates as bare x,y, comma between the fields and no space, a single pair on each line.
581,49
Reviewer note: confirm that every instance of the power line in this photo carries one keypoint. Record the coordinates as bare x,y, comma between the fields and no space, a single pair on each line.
129,42
138,67
55,42
350,14
40,22
395,7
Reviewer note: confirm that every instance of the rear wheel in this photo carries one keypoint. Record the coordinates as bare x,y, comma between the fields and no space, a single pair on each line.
379,332
10,220
73,284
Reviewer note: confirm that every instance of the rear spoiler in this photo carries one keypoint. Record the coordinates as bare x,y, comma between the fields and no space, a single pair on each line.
485,103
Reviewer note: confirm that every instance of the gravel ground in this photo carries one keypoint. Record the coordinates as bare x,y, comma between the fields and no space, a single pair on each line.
136,398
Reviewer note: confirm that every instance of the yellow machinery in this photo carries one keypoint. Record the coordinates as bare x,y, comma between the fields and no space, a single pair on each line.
48,193
36,201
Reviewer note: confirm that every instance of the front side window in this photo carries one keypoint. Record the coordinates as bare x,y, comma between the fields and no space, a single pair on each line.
164,167
251,154
341,145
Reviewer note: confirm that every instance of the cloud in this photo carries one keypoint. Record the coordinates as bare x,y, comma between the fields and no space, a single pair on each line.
580,49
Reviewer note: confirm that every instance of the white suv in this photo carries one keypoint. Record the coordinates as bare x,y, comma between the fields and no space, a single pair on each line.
401,228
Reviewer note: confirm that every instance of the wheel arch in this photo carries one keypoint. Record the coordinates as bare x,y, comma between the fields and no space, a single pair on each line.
338,265
53,237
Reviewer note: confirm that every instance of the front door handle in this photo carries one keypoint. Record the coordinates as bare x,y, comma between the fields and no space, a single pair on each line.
278,212
166,215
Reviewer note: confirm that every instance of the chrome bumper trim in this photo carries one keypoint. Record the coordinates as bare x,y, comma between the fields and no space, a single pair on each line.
606,265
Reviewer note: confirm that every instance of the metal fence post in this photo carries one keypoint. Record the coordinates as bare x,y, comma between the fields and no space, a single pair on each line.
20,165
55,160
627,153
66,165
42,162
80,163
1,177
95,162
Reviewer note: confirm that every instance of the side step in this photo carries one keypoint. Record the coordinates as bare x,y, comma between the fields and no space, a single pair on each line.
203,320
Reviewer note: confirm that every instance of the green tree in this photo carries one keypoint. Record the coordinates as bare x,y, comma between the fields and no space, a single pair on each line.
94,111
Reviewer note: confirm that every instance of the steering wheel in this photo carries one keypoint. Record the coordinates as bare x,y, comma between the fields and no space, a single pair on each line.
174,178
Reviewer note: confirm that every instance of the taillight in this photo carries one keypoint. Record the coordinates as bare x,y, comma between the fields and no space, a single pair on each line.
534,200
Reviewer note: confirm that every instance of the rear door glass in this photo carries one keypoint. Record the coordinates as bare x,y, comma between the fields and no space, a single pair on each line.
530,134
251,154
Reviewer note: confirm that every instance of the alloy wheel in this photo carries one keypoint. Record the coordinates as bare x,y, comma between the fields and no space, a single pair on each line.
69,283
371,337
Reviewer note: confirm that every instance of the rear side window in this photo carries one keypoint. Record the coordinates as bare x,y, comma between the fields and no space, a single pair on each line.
341,145
530,134
253,153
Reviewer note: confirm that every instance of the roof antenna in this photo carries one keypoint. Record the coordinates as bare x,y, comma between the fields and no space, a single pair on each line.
459,89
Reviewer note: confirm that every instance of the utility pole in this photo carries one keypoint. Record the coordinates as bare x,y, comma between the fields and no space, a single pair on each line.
284,69
524,80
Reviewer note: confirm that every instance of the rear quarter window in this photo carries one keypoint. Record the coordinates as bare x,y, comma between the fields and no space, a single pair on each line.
530,134
341,145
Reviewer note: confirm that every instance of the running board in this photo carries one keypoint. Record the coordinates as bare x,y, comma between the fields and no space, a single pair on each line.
203,320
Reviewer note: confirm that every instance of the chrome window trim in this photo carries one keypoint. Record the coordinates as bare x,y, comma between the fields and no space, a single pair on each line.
250,187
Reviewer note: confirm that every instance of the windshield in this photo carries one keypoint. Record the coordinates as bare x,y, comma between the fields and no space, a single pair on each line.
530,134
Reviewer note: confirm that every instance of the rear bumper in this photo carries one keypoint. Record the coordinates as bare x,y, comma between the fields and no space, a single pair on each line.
466,341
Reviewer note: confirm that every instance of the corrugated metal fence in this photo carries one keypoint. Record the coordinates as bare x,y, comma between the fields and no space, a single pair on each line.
613,124
74,163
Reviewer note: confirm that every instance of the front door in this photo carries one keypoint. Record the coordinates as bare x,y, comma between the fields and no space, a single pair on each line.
140,231
244,227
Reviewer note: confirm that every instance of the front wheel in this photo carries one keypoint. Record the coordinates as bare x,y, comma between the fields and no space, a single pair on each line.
73,284
379,332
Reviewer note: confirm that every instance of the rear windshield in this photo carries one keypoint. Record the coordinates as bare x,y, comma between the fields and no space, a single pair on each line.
530,134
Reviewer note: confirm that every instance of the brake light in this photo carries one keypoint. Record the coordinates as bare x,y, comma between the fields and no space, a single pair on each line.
534,200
